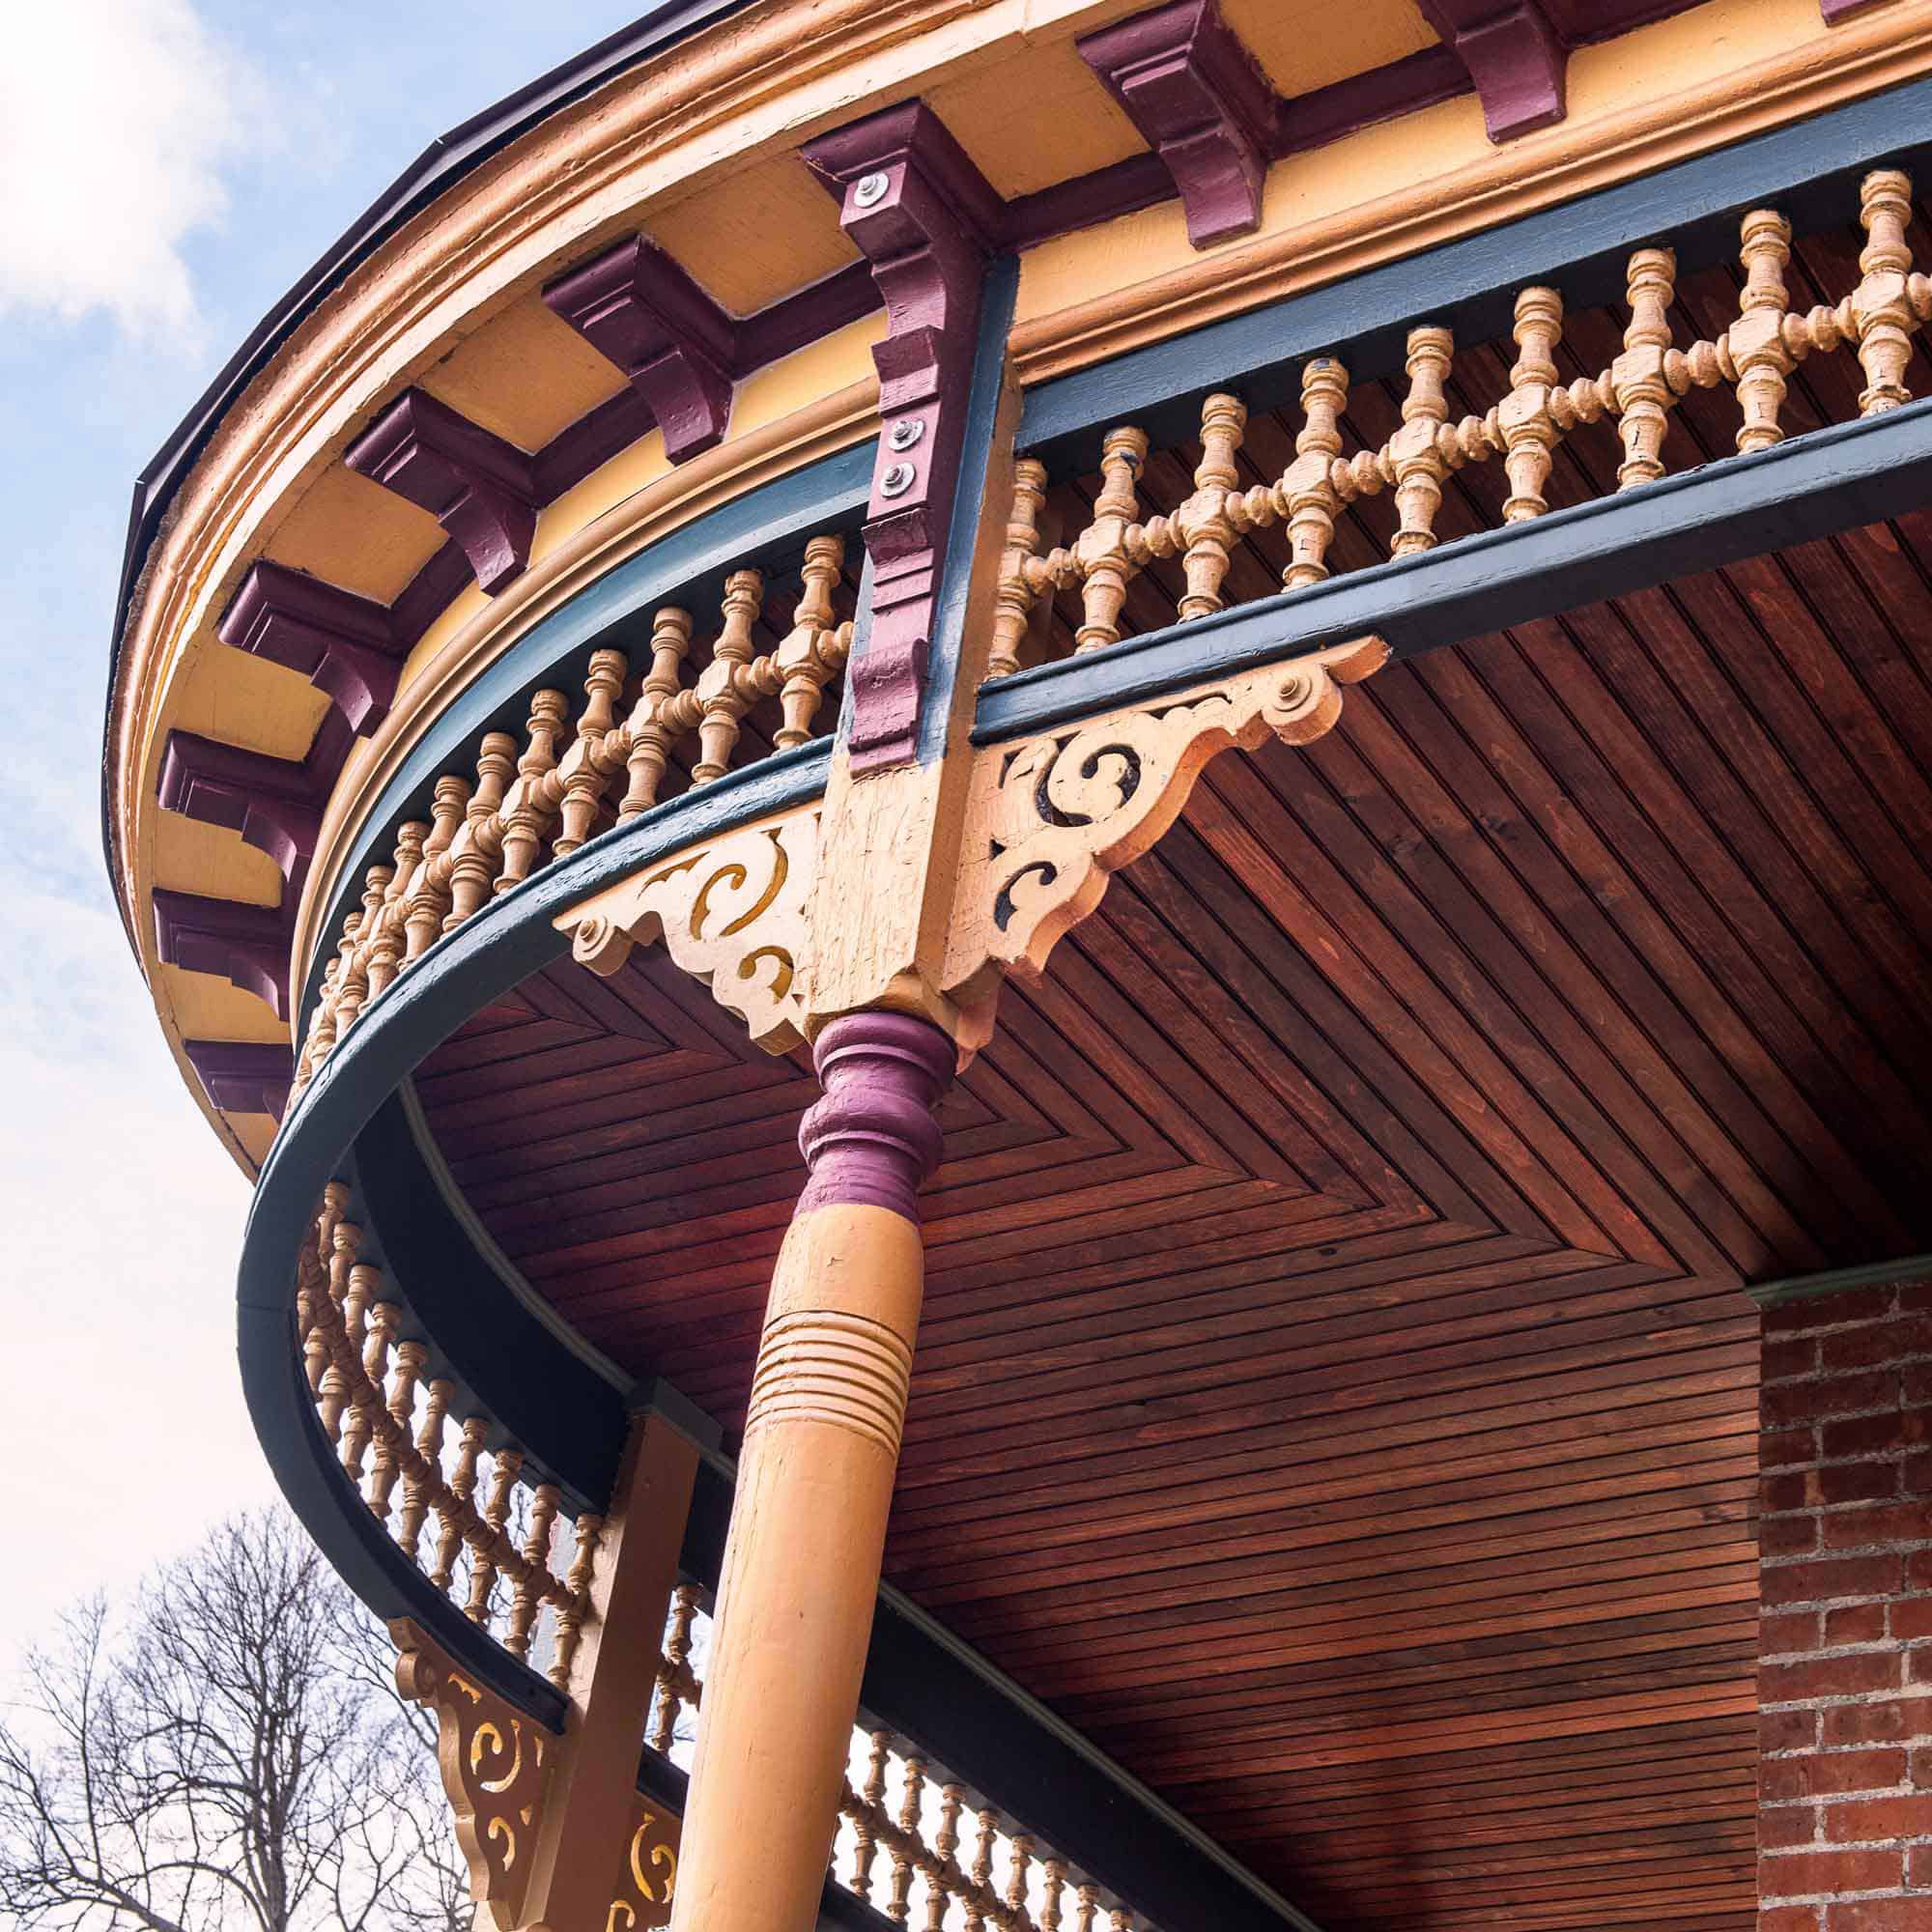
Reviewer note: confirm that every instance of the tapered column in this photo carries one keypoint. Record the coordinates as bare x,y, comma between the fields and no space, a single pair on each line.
814,1481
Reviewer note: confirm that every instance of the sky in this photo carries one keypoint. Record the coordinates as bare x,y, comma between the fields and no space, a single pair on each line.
168,168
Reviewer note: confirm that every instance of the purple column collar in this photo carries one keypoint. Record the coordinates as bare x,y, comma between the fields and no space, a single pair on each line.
872,1139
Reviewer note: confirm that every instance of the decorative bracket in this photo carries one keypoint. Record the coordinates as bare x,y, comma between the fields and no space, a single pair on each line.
1515,55
248,945
1049,819
734,913
924,218
242,1076
478,487
1193,90
276,804
344,645
635,305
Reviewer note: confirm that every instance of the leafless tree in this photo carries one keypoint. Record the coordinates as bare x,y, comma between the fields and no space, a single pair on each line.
223,1754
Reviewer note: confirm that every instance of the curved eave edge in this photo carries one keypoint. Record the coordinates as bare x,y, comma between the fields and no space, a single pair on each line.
484,958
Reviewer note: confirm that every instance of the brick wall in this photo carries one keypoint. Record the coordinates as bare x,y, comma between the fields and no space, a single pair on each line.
1845,1649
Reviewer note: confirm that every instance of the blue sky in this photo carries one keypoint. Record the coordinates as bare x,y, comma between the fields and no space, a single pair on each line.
167,169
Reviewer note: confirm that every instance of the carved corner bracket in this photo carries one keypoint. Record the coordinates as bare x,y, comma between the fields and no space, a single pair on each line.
733,912
1050,818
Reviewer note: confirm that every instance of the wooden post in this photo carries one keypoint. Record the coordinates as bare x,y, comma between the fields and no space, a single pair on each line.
815,1479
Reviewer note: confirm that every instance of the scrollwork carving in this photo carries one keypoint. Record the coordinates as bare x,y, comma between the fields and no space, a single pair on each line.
732,912
1050,818
650,1879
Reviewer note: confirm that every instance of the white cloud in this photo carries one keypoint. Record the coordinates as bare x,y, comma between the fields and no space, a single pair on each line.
117,119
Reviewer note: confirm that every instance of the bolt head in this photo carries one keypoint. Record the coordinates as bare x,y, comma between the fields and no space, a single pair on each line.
897,480
904,432
871,188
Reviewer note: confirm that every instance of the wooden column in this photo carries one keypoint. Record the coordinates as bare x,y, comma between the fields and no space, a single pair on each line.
821,1447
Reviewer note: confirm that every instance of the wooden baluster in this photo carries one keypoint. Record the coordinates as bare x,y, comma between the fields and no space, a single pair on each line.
1527,423
461,1488
311,1298
420,1483
528,1596
334,1399
809,657
506,1466
429,893
358,1424
1055,1876
525,816
723,695
1881,303
1414,453
1636,376
480,842
353,985
1121,1921
575,1606
1103,550
652,730
1020,1853
1203,519
677,1654
945,1842
380,1335
898,1897
1085,1901
587,766
871,1798
386,931
1021,579
1307,490
982,1873
1755,345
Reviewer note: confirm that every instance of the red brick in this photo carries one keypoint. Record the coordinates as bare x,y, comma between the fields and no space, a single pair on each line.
1786,1360
1876,1435
1779,1406
1883,1723
1789,1919
1788,1730
1877,1914
1780,1827
1918,1382
1921,1770
1882,1341
1834,1576
1786,1535
1829,1310
1918,1570
1873,1818
1920,1864
1918,1666
1793,1874
1776,1448
1829,1677
1835,1483
1915,1473
1795,1630
1831,1774
1878,1523
1912,1617
1855,1623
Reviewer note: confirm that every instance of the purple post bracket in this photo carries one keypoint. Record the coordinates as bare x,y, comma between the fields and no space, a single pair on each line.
276,804
248,945
243,1076
1193,90
1835,10
871,1140
344,645
1515,53
926,219
640,310
475,484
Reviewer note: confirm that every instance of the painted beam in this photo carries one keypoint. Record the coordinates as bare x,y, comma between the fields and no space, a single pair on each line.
1515,55
1811,486
1189,84
243,1076
478,487
1837,1281
639,309
924,218
344,645
246,945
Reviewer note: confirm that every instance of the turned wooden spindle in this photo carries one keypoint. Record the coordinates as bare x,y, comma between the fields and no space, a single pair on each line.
353,983
1086,1901
423,1479
1881,304
526,817
1203,521
1636,376
677,1654
587,765
575,1605
528,1596
452,1503
898,1900
1527,425
810,656
945,1842
478,844
1307,489
724,693
1019,586
387,938
1755,345
1053,1874
1020,1870
653,731
429,893
1104,549
982,1873
485,1548
871,1795
1415,452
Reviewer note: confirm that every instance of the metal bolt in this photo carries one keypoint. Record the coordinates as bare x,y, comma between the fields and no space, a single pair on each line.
904,432
897,480
871,189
